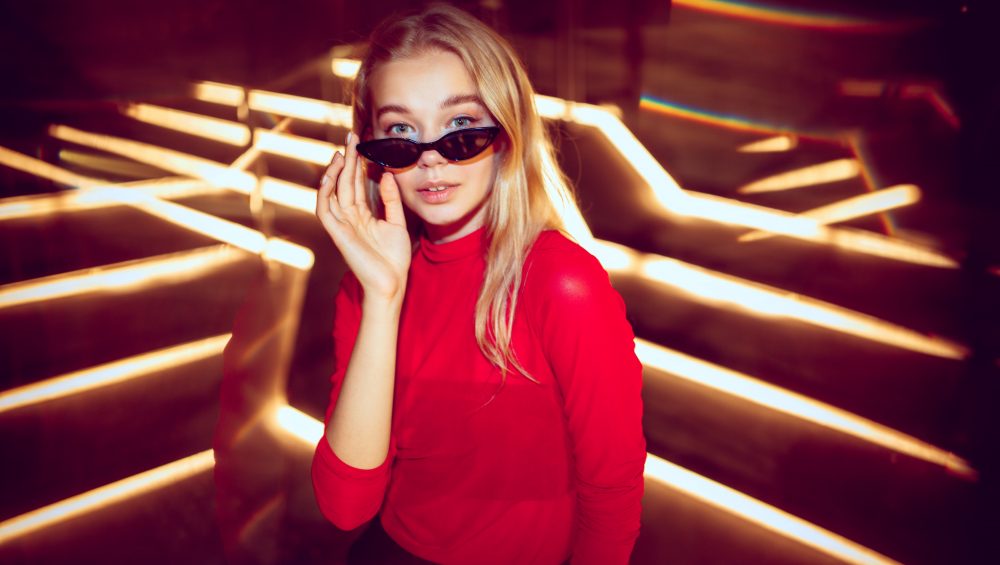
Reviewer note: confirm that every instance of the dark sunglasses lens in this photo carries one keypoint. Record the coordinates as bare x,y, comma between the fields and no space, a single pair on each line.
456,146
396,153
465,144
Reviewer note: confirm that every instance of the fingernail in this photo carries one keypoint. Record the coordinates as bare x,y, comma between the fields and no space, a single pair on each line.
325,181
348,140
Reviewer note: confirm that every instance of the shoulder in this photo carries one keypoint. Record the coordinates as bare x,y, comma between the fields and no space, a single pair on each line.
558,268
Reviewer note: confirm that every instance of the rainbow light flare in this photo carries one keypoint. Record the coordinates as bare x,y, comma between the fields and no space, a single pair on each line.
806,19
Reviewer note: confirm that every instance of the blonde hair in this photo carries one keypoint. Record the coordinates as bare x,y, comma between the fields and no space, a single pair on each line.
529,188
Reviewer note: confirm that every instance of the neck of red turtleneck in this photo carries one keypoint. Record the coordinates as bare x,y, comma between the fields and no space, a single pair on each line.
465,246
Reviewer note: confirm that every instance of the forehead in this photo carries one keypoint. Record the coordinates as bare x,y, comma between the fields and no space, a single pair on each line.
421,83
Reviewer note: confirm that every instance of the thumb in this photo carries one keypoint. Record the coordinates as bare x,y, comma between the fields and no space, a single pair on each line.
389,191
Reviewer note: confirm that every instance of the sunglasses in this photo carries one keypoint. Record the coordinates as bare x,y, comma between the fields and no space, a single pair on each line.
459,145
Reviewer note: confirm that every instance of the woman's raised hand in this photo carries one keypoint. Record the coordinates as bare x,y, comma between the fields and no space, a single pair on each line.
377,251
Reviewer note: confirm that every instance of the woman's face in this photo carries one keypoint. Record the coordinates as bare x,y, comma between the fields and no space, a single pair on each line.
422,98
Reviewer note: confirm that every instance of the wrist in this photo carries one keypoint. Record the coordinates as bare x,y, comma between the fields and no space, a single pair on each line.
384,302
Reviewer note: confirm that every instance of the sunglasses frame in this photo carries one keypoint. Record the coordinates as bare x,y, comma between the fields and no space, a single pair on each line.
363,147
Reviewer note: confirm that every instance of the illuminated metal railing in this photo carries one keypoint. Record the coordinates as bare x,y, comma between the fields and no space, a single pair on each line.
734,292
796,405
139,273
854,207
760,513
106,495
832,171
112,373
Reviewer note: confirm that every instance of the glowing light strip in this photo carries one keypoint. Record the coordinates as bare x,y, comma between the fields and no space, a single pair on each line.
796,405
776,144
107,495
831,171
310,431
289,194
345,68
718,288
229,232
760,513
295,147
85,199
176,162
299,424
930,93
849,239
112,373
795,18
205,224
621,138
216,129
855,207
218,93
108,164
122,276
283,104
936,99
39,168
302,108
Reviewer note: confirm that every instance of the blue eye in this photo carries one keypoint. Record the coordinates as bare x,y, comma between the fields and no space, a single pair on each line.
462,121
398,129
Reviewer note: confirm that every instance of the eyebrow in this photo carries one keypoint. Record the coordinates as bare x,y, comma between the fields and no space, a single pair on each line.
450,101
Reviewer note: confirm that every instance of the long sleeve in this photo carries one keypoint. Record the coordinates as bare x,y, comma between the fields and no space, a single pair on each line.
580,321
346,495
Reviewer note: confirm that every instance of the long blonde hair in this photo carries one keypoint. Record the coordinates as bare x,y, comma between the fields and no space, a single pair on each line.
529,188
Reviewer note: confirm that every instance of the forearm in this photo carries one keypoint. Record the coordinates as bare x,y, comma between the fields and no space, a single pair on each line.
358,431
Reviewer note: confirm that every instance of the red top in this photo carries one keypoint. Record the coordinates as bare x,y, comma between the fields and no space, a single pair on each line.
541,472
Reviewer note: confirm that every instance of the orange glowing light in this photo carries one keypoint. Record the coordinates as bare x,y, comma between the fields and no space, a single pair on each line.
832,171
112,373
39,168
776,144
218,93
226,231
345,68
299,424
302,108
289,194
760,513
123,276
799,406
718,288
855,207
216,129
210,171
108,164
295,147
107,495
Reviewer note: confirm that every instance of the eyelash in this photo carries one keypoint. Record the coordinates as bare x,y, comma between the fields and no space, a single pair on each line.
392,129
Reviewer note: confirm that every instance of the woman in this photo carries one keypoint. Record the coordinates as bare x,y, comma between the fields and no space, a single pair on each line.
486,394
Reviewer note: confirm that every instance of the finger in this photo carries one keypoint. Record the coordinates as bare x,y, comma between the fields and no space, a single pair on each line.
361,185
360,192
389,191
324,202
345,183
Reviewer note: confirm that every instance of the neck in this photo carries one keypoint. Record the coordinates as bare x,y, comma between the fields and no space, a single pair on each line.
465,225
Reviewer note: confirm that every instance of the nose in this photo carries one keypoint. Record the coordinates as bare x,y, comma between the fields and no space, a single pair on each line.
430,158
